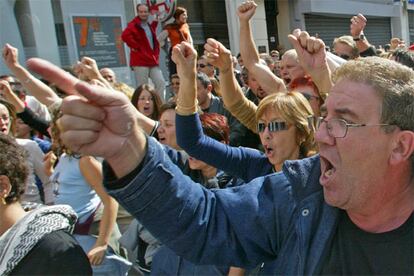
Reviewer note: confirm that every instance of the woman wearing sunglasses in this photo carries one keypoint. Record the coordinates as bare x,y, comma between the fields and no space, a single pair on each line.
282,124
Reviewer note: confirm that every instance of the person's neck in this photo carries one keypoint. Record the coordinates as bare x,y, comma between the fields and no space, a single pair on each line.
388,214
209,172
206,104
294,155
9,215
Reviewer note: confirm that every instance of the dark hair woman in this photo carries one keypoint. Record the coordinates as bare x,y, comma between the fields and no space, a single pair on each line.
177,32
38,242
147,101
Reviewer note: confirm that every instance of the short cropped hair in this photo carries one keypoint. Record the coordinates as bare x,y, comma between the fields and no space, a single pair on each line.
393,82
204,79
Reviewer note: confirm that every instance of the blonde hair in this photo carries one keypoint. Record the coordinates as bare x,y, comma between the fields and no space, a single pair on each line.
348,40
295,110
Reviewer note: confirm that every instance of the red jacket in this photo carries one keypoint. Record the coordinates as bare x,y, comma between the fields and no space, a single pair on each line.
141,52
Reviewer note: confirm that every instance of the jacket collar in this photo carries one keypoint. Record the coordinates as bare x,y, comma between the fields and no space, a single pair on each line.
303,175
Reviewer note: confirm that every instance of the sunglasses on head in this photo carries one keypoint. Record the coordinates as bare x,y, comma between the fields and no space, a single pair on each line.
273,126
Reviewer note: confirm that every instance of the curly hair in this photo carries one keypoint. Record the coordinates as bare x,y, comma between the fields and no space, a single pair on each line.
13,164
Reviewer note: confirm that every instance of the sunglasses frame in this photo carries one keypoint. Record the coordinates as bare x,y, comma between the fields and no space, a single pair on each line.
273,126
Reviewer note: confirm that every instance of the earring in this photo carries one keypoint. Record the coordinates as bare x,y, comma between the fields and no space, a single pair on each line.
3,200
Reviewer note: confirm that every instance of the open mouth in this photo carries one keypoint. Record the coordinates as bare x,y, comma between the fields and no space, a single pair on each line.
268,151
4,130
287,80
161,139
327,171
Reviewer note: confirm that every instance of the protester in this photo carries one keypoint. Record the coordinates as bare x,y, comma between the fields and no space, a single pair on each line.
175,86
38,242
403,56
110,76
204,67
363,198
310,91
269,82
32,193
77,181
282,127
345,47
177,32
147,101
358,24
140,36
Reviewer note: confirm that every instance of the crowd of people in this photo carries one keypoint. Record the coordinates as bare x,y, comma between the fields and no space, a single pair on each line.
299,162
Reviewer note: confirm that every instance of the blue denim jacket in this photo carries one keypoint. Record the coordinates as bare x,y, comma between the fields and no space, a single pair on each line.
280,218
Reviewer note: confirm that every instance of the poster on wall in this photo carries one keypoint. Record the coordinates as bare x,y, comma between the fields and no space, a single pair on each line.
99,37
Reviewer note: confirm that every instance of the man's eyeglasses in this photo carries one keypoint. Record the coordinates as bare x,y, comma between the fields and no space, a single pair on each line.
338,128
273,126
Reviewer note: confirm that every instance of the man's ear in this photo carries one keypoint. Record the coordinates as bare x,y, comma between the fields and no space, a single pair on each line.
210,87
403,148
5,186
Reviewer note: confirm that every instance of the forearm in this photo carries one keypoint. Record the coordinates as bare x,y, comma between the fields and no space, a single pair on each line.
36,87
187,95
362,45
108,221
236,161
159,193
322,79
230,88
269,81
247,46
132,152
245,111
15,101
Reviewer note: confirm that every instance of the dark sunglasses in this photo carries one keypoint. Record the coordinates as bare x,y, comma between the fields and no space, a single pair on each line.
309,96
203,65
273,126
345,57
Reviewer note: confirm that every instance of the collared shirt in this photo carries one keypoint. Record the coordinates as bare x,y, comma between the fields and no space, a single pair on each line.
148,33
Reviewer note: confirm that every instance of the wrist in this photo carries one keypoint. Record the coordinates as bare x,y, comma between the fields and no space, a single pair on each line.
15,67
359,37
130,155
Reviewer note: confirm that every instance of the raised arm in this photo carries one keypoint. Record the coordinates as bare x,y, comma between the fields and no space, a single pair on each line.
358,23
312,57
236,161
200,222
89,69
268,81
37,88
233,96
185,56
97,121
